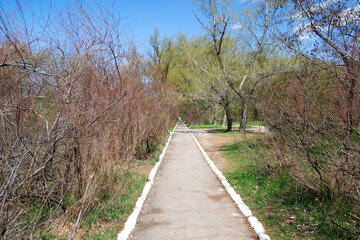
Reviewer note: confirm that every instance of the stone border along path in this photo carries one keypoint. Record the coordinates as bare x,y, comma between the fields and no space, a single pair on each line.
254,222
149,222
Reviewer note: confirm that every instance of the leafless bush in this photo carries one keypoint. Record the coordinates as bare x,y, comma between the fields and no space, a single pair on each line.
74,109
308,111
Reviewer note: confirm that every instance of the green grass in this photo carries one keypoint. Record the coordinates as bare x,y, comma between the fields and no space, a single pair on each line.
116,211
286,209
252,124
204,126
153,157
223,131
110,209
110,233
218,125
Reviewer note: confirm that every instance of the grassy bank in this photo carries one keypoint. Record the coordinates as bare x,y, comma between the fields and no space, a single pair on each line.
115,212
106,218
287,209
120,210
114,204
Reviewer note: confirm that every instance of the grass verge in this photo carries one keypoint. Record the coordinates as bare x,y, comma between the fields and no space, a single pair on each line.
116,212
218,125
204,126
287,209
124,206
106,219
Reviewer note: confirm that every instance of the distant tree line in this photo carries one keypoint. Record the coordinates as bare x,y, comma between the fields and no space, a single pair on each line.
294,65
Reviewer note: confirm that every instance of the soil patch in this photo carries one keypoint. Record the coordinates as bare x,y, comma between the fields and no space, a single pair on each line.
214,142
143,169
213,145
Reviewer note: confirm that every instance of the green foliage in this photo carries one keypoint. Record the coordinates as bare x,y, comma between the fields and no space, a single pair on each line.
161,55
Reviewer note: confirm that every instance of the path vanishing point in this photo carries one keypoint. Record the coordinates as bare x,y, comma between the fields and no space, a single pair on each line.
187,200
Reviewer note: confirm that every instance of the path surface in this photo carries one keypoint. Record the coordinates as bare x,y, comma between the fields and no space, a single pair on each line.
187,201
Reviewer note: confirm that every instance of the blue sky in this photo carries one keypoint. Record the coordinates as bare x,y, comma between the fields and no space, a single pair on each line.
170,16
140,17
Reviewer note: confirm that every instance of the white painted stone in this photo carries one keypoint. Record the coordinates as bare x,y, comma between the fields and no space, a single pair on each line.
245,210
139,203
225,183
218,172
152,173
263,236
258,227
237,199
222,177
230,190
146,190
212,164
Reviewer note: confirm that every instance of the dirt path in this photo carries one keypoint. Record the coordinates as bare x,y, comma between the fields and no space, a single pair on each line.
187,201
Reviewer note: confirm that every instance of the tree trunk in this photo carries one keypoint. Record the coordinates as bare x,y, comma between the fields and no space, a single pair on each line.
214,121
148,146
223,120
244,104
225,102
229,120
257,112
350,111
78,166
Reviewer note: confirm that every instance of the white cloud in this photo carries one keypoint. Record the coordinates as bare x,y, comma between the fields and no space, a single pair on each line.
341,18
304,30
351,14
323,5
236,26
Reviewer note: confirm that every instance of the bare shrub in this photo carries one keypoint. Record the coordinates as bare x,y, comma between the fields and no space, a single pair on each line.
308,110
75,109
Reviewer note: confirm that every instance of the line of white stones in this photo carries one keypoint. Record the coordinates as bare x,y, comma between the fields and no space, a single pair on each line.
254,222
131,221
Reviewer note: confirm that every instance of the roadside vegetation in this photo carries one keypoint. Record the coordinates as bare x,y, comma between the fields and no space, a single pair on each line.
287,208
79,106
293,65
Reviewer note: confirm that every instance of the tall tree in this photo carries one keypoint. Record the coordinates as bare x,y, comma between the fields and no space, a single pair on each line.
193,75
247,53
161,54
208,72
